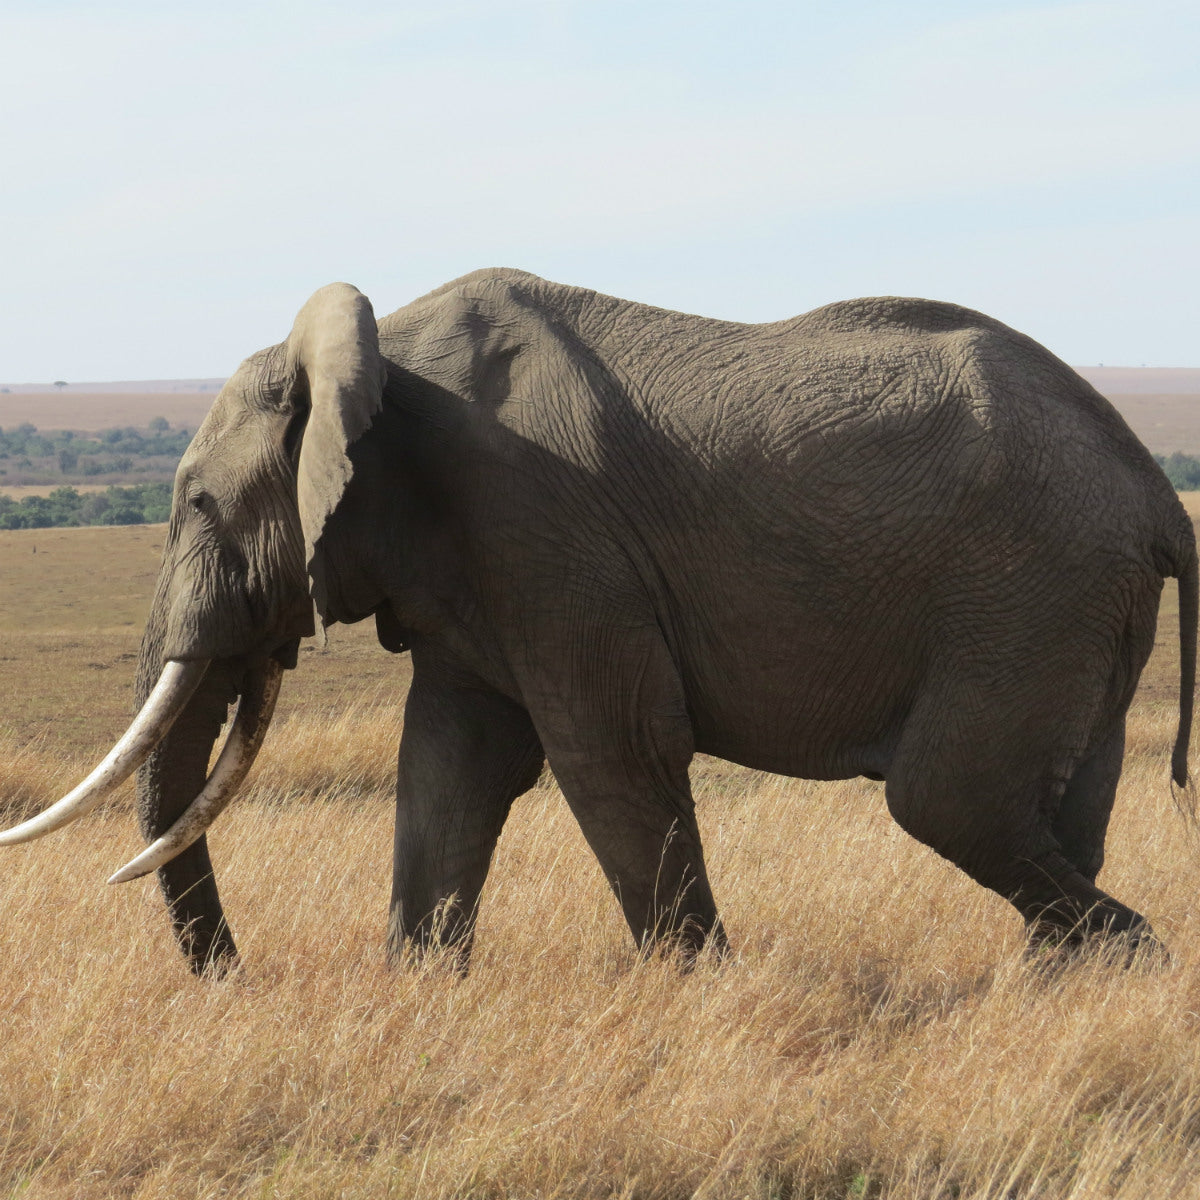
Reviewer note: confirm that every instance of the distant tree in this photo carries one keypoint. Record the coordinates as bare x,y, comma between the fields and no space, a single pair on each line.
38,512
159,424
64,505
1183,470
123,514
93,507
68,460
60,384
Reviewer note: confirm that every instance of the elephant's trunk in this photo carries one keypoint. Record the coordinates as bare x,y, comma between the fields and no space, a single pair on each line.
171,778
259,691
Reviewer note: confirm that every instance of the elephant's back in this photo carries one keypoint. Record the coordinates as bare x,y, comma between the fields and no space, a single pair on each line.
879,481
923,405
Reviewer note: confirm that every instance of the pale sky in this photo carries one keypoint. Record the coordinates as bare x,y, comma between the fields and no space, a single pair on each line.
178,179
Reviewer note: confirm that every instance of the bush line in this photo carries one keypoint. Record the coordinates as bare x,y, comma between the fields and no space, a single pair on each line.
141,504
1183,470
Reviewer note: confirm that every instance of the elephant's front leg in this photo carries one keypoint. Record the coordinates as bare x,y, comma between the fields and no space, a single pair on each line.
620,742
465,755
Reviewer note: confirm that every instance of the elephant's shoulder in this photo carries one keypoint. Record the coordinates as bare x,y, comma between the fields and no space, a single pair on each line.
502,293
481,280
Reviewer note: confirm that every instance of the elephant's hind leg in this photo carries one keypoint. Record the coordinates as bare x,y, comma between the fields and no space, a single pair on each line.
1081,822
1080,825
985,805
466,754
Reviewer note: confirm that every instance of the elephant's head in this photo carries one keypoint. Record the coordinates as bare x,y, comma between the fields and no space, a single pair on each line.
242,566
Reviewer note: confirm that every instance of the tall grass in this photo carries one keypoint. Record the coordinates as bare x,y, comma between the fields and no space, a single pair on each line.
31,776
348,753
877,1032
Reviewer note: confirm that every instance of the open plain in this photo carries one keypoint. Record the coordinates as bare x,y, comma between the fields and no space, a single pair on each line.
878,1031
91,411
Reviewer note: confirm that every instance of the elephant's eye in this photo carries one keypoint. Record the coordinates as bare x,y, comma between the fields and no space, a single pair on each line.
198,501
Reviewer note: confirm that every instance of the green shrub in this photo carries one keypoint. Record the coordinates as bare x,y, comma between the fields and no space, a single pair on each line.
141,504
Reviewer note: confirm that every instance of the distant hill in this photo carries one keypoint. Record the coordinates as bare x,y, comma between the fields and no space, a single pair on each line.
126,388
1161,404
89,412
1166,423
1143,381
1159,381
89,407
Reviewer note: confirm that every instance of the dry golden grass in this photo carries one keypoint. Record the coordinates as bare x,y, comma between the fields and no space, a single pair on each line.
878,1032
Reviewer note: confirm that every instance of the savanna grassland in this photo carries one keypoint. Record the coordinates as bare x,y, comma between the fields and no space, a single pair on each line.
877,1033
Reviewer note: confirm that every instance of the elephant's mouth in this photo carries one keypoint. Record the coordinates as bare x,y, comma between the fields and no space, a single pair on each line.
176,686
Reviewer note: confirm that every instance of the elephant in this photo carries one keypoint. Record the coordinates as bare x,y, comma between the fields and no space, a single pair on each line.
890,538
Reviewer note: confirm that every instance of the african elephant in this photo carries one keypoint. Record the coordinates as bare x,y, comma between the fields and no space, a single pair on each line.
890,537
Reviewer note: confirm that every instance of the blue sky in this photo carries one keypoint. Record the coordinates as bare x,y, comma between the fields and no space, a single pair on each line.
178,179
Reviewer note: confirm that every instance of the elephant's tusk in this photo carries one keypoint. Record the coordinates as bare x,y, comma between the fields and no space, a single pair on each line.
237,757
174,689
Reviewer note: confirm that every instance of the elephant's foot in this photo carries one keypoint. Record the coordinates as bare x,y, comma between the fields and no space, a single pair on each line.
208,947
213,960
685,944
217,970
1050,947
443,940
1068,918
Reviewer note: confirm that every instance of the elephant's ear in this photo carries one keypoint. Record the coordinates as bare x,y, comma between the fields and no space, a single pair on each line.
334,350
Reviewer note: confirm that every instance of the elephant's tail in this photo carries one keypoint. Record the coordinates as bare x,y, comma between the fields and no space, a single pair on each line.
1189,608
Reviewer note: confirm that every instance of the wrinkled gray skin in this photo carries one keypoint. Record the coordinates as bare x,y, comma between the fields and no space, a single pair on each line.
889,538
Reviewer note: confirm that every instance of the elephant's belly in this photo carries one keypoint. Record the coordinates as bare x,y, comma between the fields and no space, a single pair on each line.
801,757
791,720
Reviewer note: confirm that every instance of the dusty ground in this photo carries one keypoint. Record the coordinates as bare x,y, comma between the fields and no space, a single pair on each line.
1165,424
89,412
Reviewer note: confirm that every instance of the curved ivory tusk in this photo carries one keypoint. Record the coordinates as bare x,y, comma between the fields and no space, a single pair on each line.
173,690
237,757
